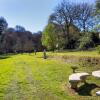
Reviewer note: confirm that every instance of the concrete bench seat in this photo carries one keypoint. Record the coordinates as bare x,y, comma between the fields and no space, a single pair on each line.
75,78
98,93
96,73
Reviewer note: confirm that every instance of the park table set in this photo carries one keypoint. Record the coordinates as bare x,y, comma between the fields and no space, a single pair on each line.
75,78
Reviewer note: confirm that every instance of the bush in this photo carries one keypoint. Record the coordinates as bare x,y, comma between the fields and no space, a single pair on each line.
98,49
86,42
1,53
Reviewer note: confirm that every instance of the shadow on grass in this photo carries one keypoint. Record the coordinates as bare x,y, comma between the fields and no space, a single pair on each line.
4,57
9,55
85,90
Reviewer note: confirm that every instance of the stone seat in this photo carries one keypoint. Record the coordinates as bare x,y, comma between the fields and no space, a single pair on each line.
98,93
75,78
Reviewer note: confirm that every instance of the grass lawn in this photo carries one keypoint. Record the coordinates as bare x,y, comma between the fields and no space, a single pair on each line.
30,77
79,53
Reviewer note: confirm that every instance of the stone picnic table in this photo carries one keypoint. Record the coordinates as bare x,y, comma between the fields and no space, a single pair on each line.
96,74
75,78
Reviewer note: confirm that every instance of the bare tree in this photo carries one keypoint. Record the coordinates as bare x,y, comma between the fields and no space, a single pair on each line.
85,18
67,13
64,16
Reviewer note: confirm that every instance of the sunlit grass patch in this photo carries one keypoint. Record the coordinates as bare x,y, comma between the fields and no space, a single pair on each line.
29,76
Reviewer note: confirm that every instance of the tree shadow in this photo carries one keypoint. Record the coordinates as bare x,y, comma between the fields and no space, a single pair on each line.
4,57
85,90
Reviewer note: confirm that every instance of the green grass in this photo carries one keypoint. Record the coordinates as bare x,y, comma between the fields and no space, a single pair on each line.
30,77
79,53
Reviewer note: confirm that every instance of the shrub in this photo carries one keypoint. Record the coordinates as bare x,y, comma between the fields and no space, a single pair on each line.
98,49
86,42
1,53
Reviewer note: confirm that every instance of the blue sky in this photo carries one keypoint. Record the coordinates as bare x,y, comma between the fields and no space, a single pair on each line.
32,14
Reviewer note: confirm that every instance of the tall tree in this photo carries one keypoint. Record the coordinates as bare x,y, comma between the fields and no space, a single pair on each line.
49,37
97,16
64,15
3,24
3,27
85,18
37,41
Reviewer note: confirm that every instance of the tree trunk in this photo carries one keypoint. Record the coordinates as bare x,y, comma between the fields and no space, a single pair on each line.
84,28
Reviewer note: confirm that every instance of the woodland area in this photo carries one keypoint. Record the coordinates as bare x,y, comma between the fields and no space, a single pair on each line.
70,26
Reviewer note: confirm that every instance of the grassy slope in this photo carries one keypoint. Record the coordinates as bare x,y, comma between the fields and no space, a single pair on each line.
29,77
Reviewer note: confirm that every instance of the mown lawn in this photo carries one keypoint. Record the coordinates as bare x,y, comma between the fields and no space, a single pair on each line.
30,77
79,53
